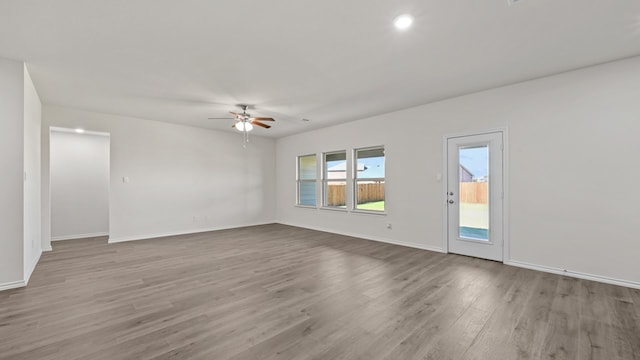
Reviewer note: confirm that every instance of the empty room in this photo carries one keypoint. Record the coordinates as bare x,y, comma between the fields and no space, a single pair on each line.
393,180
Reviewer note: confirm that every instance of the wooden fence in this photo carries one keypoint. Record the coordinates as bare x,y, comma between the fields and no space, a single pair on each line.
470,192
366,193
474,192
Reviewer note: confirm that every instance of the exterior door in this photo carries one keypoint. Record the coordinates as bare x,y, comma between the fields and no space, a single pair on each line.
475,195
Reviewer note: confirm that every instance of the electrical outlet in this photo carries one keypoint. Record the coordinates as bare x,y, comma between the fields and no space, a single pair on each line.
389,226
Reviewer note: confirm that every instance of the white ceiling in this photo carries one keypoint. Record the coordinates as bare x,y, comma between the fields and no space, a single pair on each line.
330,61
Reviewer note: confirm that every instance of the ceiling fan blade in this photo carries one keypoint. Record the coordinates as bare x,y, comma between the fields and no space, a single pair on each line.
234,114
260,124
263,119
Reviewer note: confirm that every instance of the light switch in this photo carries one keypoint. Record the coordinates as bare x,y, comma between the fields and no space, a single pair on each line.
125,179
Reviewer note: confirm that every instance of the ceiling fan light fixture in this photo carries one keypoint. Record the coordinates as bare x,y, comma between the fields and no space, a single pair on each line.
243,126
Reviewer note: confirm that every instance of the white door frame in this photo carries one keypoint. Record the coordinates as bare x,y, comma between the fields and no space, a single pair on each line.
505,183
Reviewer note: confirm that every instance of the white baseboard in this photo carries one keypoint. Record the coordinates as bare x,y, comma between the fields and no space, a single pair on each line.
372,238
78,236
12,285
22,283
113,240
575,274
47,248
32,268
412,245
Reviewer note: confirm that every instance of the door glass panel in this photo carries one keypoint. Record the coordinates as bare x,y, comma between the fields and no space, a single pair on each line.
474,192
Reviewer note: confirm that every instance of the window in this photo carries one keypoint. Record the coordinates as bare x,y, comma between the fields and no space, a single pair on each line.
306,180
369,179
334,179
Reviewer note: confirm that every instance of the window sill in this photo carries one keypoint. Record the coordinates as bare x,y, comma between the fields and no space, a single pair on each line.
334,209
369,212
306,207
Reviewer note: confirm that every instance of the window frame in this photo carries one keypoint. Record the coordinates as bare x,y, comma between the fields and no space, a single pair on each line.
299,181
325,181
356,180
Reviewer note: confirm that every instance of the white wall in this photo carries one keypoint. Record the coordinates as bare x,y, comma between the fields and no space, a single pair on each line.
31,193
181,179
573,170
79,165
11,167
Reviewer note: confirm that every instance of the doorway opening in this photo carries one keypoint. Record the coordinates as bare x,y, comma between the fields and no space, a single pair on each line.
79,183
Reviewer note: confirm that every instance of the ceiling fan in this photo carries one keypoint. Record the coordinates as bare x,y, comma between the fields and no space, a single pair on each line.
244,121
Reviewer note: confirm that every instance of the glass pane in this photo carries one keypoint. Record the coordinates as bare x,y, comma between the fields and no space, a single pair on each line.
370,195
307,167
370,163
335,194
474,192
307,193
335,165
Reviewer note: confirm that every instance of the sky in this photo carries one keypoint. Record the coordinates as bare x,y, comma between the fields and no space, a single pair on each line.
374,167
475,160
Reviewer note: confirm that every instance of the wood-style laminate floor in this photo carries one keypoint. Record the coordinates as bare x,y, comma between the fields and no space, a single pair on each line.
280,292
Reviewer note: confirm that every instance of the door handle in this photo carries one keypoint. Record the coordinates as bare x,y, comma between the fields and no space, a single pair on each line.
450,201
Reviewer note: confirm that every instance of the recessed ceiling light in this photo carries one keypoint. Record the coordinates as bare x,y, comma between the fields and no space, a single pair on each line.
79,131
403,21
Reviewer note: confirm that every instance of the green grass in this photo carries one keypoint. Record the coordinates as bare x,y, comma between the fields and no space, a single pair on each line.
474,215
376,205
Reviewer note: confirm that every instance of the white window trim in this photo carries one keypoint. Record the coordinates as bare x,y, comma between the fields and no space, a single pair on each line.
355,179
325,181
299,181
